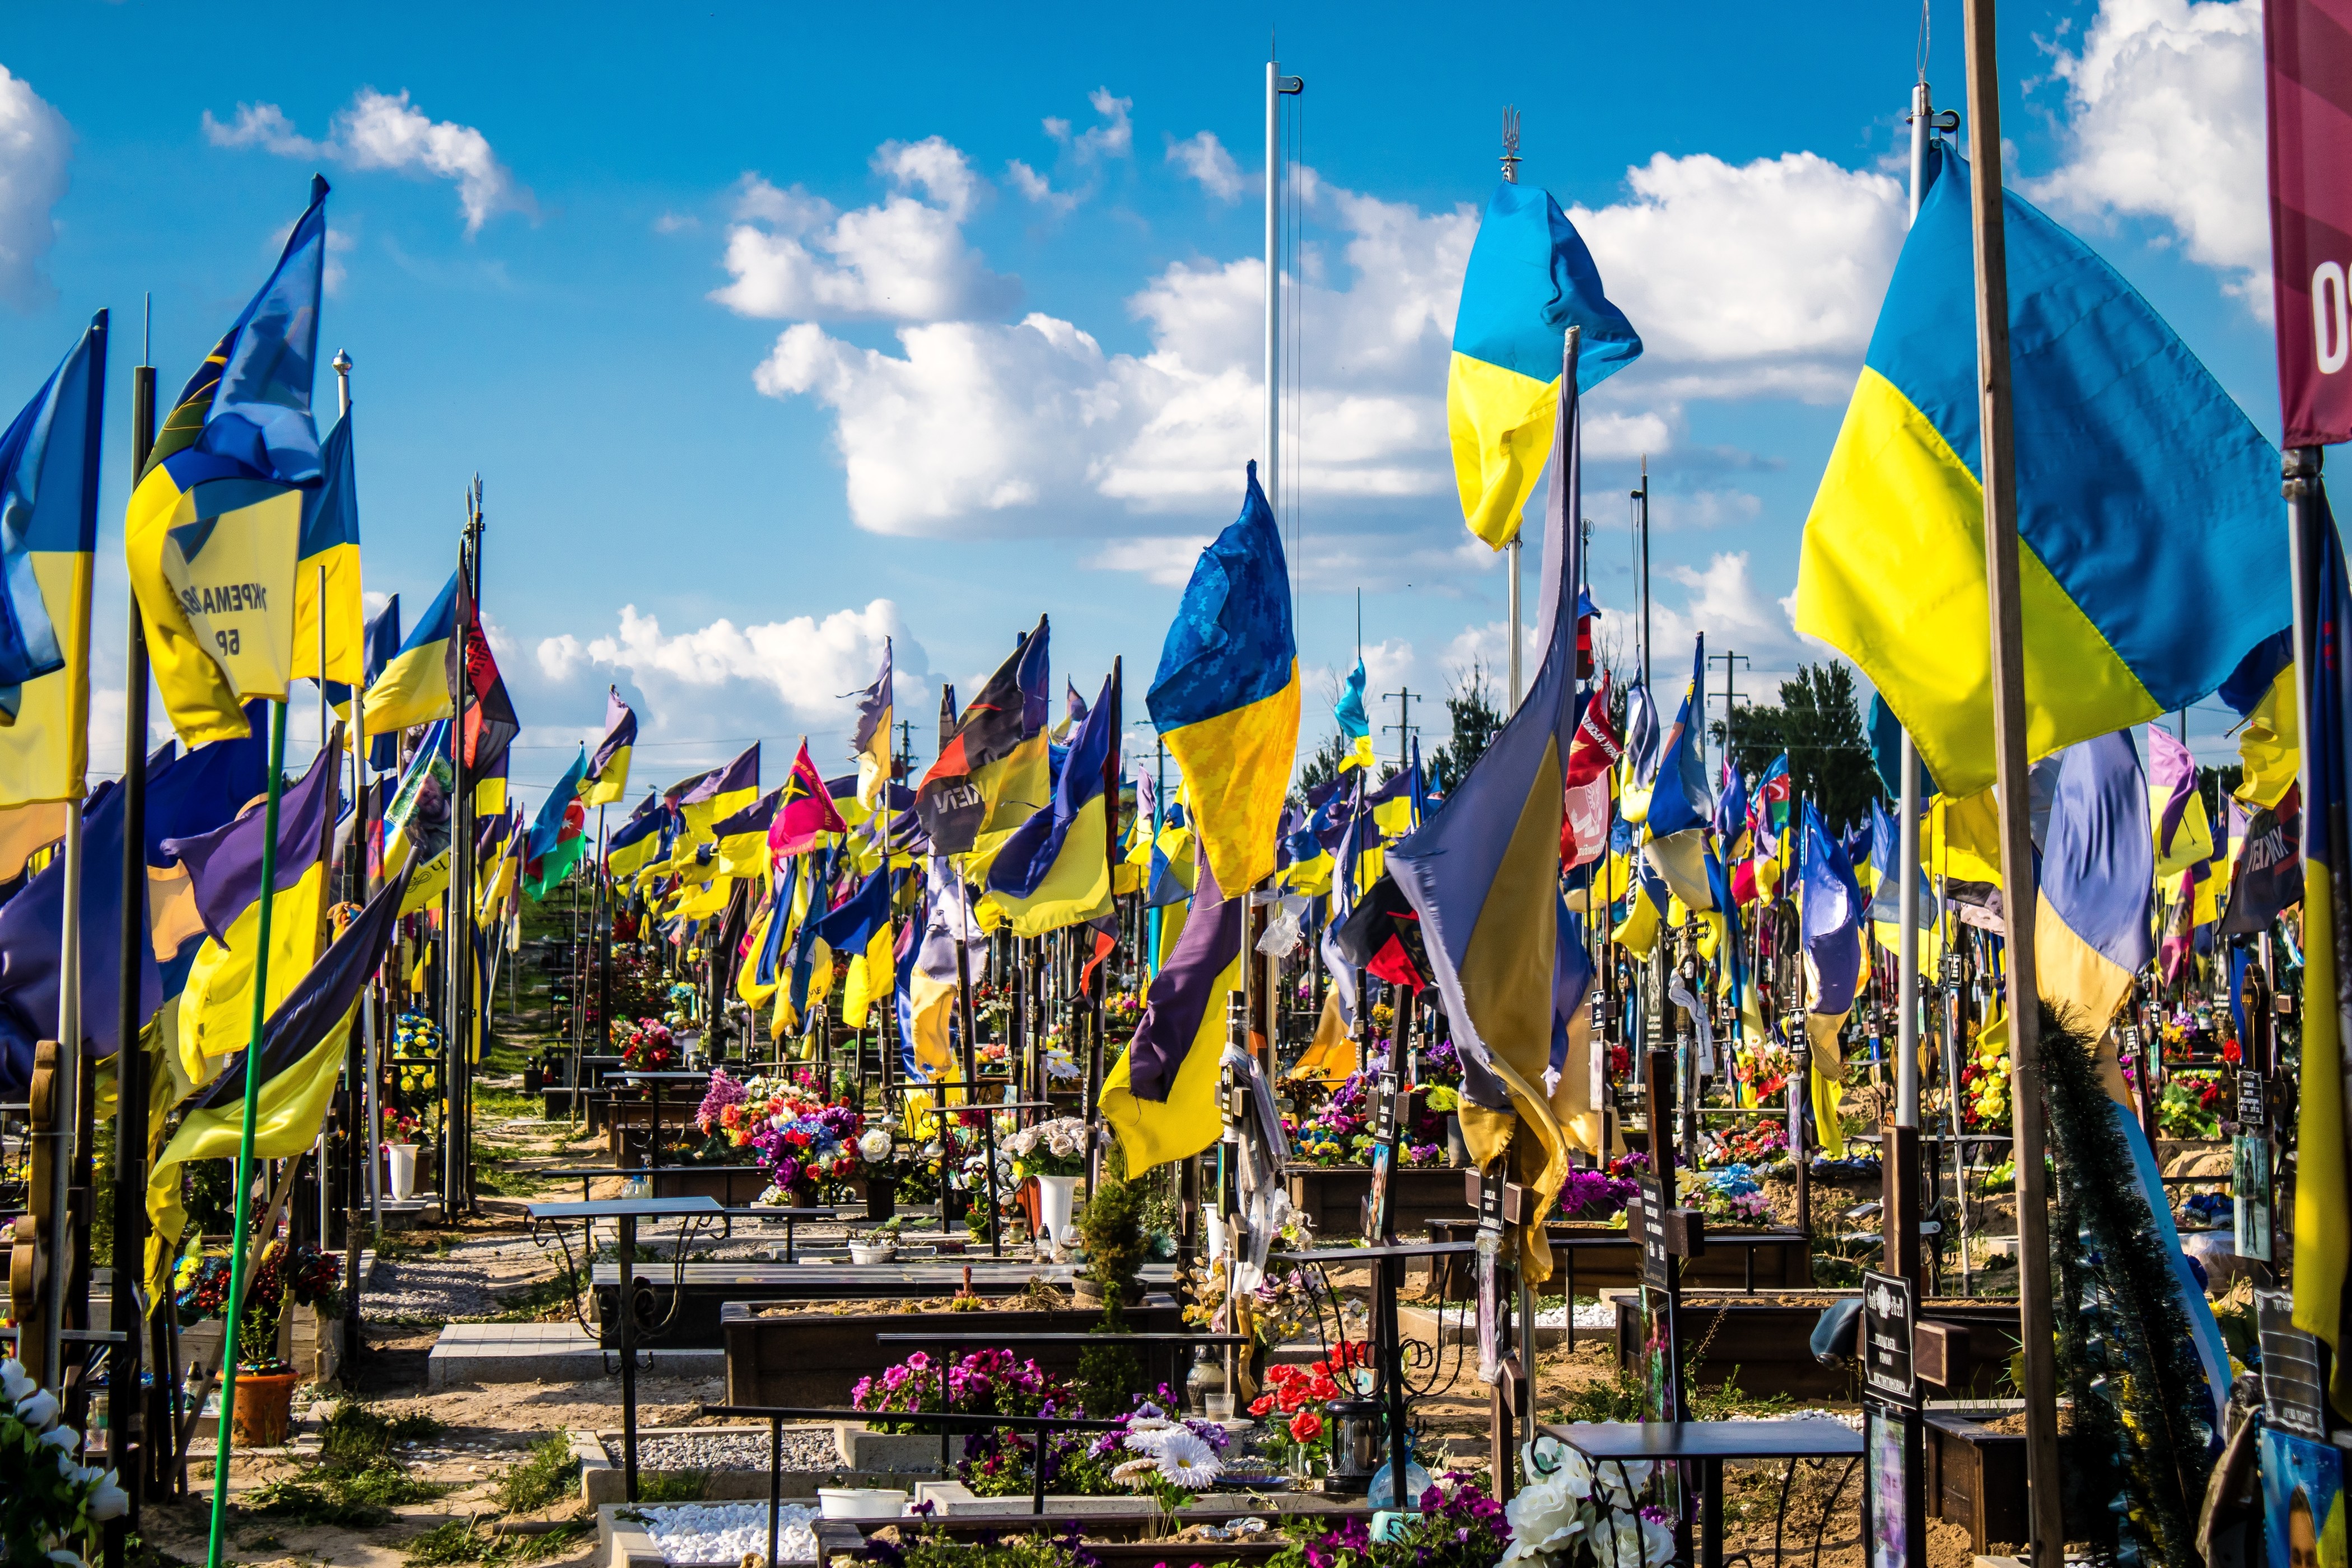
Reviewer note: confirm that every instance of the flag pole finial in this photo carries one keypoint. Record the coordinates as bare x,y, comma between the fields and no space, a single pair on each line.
1510,144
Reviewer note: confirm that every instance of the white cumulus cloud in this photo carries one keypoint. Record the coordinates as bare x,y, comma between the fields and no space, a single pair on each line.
2165,120
1203,158
1763,276
36,145
806,662
794,256
1037,188
385,131
1114,138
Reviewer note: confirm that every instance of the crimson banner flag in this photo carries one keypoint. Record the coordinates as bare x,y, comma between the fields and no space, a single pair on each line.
2308,47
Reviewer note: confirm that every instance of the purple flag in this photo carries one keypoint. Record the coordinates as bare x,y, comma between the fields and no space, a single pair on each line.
2172,771
225,865
1186,988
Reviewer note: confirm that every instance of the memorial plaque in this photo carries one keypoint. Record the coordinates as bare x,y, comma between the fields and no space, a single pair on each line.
1887,1370
2252,1087
2291,1396
1657,1263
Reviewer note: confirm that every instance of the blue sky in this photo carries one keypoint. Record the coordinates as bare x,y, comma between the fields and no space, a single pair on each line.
773,332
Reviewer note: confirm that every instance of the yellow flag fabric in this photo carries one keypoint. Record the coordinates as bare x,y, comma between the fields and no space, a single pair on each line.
220,623
45,754
2270,746
1076,888
1827,1079
293,1108
870,975
216,1007
1330,1057
1155,1133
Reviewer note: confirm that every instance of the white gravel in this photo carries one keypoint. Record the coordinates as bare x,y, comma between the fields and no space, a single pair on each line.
722,1533
1588,1315
806,1449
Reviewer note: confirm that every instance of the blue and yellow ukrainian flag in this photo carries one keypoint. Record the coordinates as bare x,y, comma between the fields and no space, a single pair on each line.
1355,724
331,544
2091,935
2145,502
608,769
1054,869
48,533
415,686
1529,280
214,526
1226,698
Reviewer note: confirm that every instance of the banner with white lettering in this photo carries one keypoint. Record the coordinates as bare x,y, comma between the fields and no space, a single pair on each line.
2308,45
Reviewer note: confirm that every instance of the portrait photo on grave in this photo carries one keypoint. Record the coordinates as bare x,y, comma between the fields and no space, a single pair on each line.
1890,1544
2303,1502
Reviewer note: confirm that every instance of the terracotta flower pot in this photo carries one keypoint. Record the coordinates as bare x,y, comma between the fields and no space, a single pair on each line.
265,1408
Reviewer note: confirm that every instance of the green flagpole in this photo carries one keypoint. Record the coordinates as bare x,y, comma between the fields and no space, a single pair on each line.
223,1427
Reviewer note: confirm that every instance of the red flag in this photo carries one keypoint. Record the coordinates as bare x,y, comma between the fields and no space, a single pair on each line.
2308,47
805,811
1596,746
479,691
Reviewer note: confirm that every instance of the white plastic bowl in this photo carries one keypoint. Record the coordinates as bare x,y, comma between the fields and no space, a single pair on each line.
862,1502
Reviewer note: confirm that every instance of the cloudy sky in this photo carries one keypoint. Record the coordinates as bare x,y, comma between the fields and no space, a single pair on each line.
775,331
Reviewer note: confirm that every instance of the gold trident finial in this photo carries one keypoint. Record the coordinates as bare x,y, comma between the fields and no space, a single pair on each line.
1511,145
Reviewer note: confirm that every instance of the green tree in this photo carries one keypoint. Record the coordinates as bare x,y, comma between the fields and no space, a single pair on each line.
1472,718
1818,723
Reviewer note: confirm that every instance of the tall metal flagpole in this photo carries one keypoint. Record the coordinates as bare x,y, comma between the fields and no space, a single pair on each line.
2046,1517
1511,550
128,1416
1276,85
67,1093
237,1248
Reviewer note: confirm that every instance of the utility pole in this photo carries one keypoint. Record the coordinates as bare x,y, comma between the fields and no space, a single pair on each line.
1642,523
1405,726
1731,692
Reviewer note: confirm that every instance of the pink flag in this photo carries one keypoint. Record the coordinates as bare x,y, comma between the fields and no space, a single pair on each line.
805,812
2308,45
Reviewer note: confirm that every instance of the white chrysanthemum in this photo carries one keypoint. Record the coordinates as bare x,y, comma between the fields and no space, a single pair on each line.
1186,1458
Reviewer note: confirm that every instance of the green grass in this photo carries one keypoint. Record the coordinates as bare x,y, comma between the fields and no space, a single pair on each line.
356,1438
552,1473
678,1486
463,1541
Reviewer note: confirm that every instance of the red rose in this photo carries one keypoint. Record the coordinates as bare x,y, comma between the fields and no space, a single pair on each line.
1263,1404
1306,1426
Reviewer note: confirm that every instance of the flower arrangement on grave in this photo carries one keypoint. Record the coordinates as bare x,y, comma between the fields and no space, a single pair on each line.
1594,1194
1984,1082
1122,1011
1056,1148
50,1507
1060,1066
1764,1068
1763,1142
1290,1411
1726,1194
1000,1463
685,1005
1571,1514
2190,1107
1458,1526
651,1047
302,1274
789,1125
1339,1132
992,1056
986,1382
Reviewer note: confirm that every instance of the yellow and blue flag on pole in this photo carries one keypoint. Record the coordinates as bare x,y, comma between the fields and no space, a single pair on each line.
214,526
2145,502
1161,1097
1355,724
48,533
1483,873
331,544
1529,280
871,743
608,769
414,688
1227,695
1054,869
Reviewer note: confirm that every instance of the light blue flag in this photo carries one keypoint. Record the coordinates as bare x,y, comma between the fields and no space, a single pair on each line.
48,508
